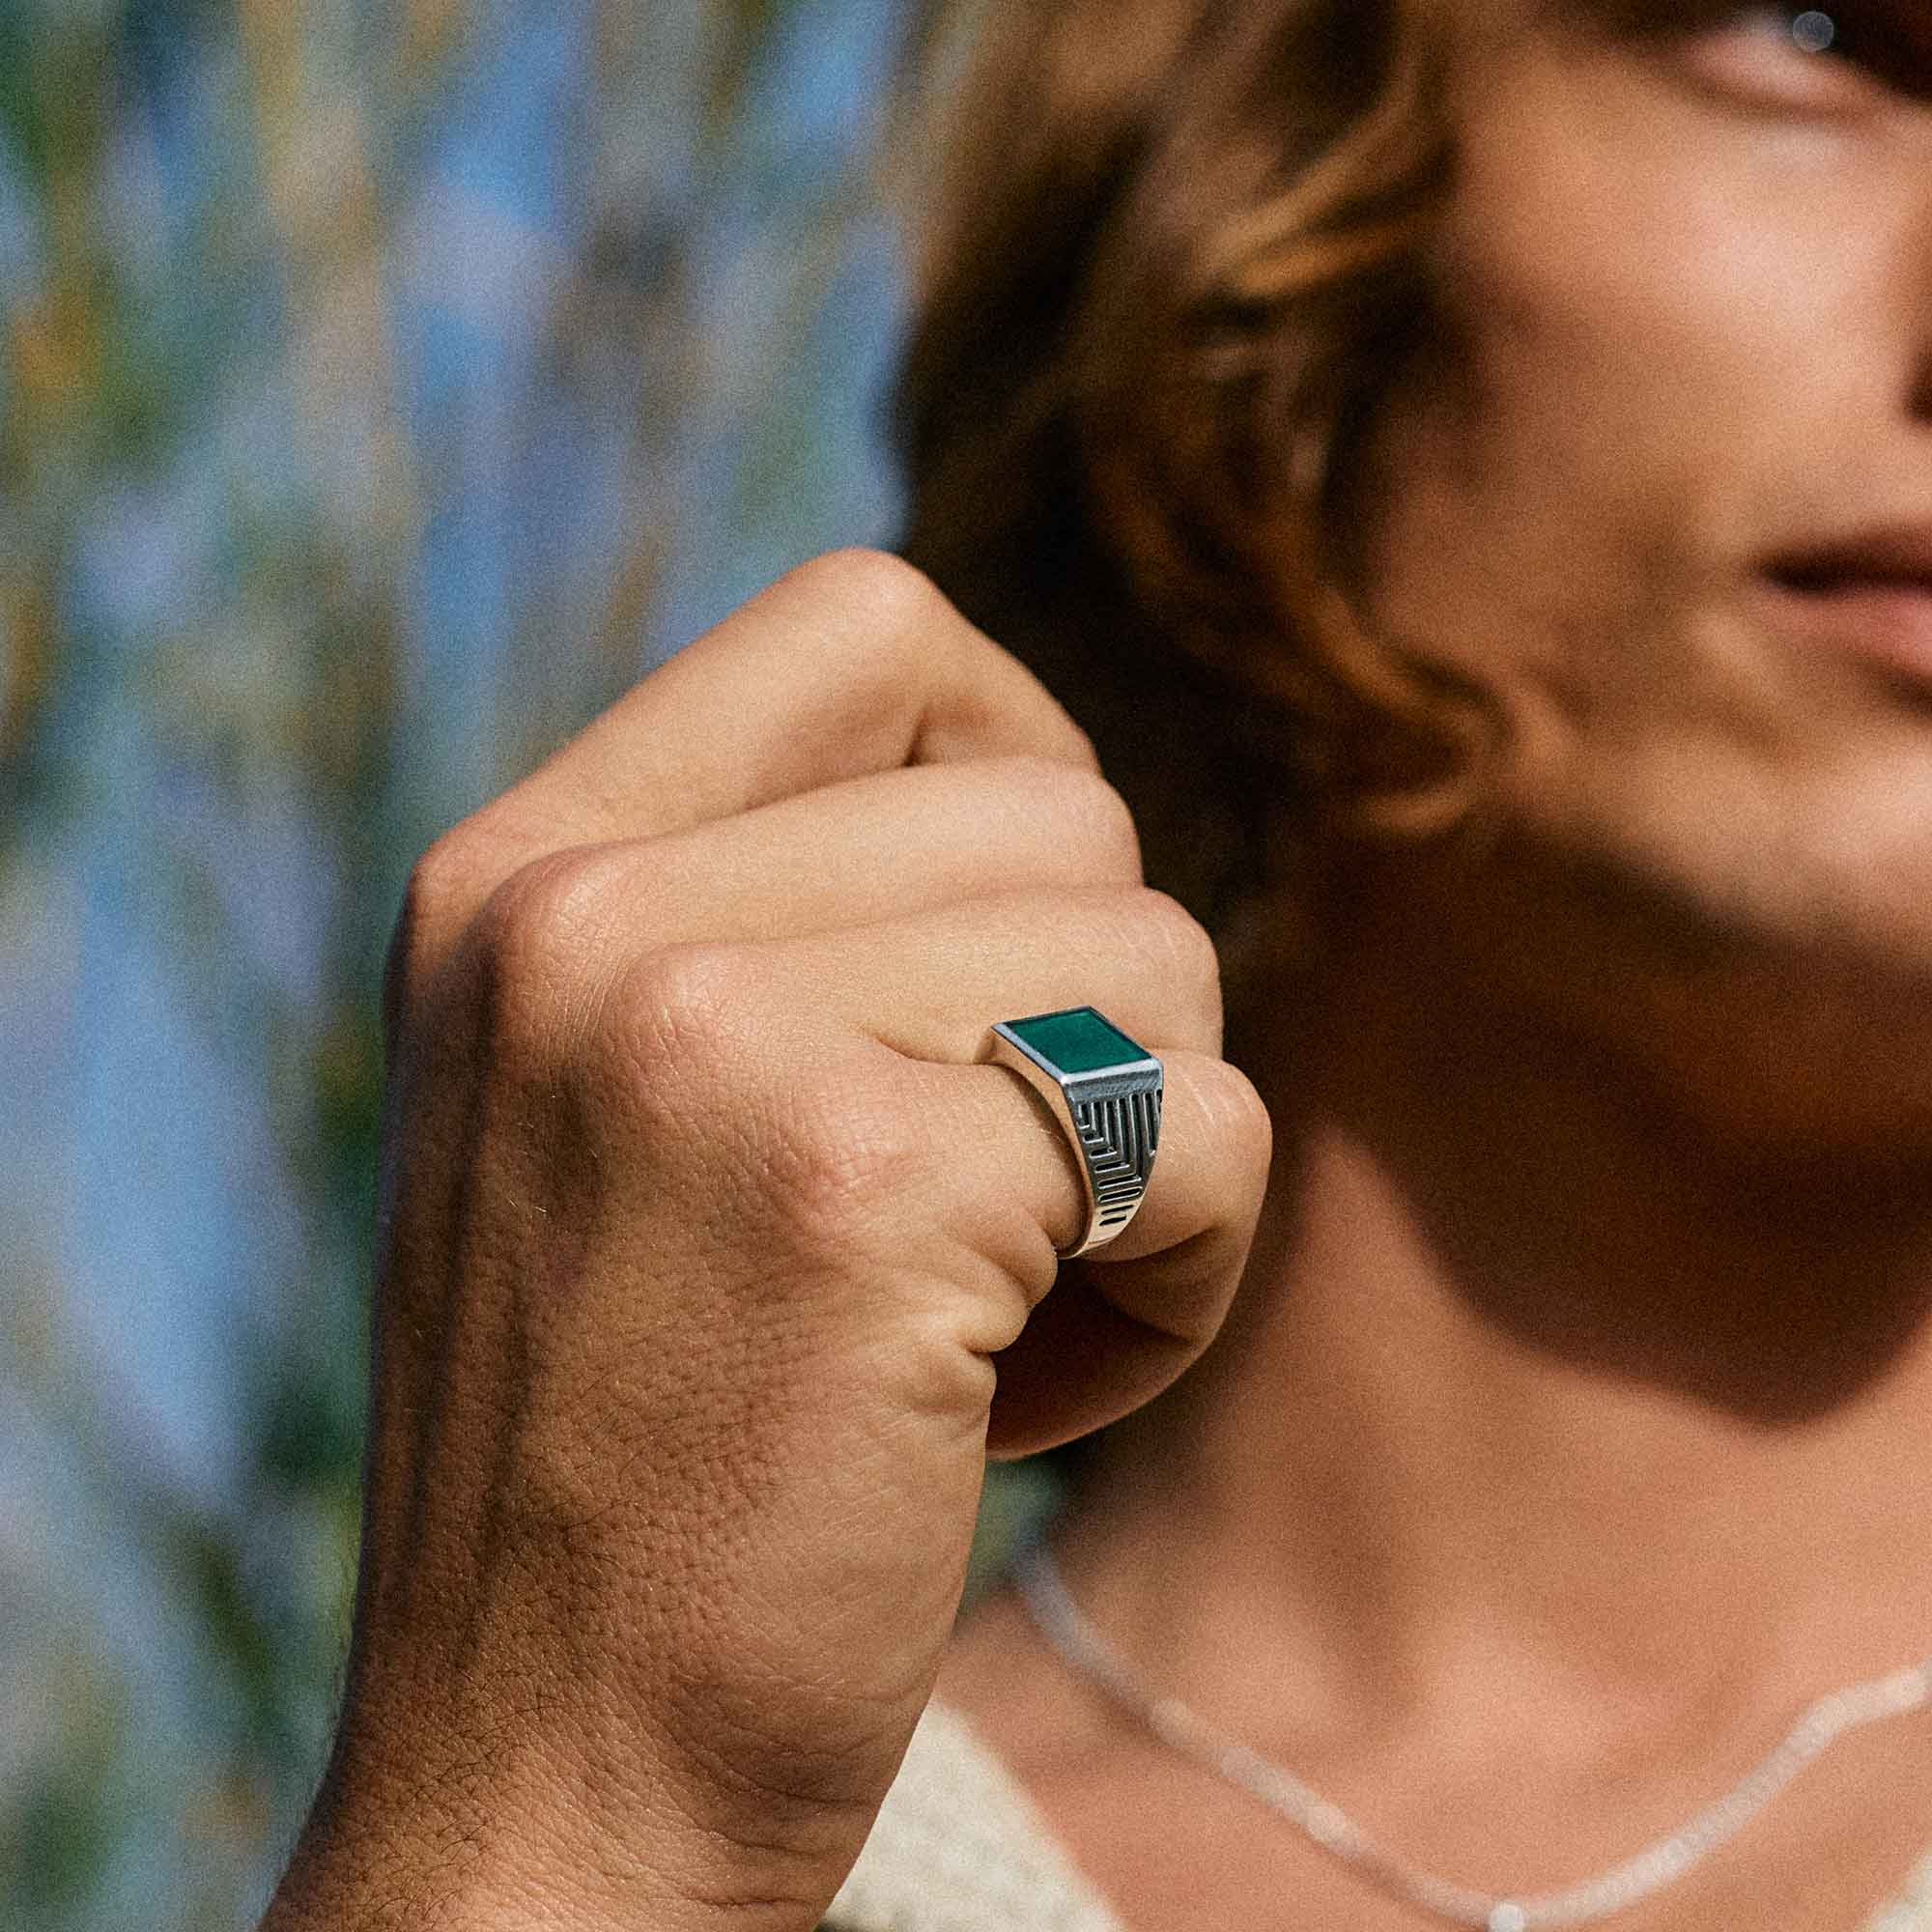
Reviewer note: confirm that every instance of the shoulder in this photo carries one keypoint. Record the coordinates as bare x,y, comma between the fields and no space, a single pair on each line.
959,1848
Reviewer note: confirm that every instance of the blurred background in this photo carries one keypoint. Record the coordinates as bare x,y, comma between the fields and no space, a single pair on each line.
382,387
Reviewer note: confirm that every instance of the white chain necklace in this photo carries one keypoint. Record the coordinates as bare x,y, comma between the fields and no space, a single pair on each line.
1059,1621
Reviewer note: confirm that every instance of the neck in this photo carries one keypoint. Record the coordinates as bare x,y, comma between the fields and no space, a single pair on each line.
1536,1383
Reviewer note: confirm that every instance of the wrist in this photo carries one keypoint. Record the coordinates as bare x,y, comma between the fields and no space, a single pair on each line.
378,1856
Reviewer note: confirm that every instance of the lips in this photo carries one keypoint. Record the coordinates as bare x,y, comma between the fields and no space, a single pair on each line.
1867,597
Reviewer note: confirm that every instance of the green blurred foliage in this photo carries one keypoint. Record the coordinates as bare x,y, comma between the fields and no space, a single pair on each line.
201,320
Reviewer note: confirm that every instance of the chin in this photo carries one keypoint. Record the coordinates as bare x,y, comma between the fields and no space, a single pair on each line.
1756,954
1786,1002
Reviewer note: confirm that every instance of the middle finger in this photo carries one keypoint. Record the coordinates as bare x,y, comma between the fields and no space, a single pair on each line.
932,986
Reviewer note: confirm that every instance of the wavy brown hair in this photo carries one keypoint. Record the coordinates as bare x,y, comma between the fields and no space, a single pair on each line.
1176,257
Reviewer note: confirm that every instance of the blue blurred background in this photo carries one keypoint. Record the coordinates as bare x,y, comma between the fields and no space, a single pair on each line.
383,386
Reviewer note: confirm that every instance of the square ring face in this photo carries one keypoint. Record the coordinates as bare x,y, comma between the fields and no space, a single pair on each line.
1075,1042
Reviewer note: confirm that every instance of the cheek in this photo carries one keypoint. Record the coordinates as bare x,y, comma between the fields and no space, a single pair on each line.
1675,340
1663,309
1657,328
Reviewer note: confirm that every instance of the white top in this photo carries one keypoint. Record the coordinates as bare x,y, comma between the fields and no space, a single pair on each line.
958,1847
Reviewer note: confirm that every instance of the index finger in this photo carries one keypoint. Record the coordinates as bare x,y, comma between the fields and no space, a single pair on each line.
851,664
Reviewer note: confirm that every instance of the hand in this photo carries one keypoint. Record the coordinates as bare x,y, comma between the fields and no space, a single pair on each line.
711,1251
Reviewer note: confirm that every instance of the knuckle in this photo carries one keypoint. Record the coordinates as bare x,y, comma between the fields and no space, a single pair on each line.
1188,953
531,944
817,1139
685,1056
843,1158
708,1043
882,593
534,921
1238,1122
690,1006
1087,813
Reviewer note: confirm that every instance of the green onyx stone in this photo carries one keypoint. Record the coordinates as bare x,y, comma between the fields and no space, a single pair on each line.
1077,1041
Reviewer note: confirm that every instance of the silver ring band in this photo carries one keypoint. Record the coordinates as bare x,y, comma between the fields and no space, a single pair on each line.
1105,1091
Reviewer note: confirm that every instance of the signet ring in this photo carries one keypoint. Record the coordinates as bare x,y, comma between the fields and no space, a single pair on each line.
1105,1091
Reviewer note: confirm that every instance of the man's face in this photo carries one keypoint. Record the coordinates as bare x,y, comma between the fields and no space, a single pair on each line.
1668,486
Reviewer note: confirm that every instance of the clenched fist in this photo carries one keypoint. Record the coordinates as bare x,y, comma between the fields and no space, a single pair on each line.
714,1253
